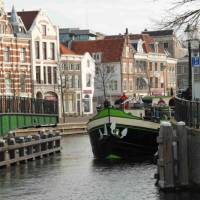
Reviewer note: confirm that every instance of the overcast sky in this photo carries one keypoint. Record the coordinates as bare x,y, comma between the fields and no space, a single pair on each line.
106,16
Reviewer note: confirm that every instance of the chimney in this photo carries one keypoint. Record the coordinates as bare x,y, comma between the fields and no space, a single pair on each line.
126,33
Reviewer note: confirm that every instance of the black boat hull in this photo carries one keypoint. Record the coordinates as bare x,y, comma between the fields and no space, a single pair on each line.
138,142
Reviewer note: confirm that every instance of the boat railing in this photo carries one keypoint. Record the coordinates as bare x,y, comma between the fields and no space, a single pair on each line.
157,113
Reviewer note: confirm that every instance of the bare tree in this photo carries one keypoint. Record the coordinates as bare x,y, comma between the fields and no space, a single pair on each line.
103,78
181,13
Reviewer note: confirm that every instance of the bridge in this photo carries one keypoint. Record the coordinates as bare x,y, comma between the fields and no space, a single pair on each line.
23,112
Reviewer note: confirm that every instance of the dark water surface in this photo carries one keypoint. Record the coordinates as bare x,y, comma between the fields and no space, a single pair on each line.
75,175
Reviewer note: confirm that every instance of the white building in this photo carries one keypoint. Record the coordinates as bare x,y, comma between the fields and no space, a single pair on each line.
114,67
44,53
78,73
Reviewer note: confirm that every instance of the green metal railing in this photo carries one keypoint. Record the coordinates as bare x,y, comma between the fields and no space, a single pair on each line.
20,112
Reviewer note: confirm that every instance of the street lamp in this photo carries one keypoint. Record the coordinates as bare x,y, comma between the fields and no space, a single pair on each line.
192,35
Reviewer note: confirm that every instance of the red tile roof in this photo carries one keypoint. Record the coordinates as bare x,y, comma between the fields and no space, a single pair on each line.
111,49
64,50
147,39
28,17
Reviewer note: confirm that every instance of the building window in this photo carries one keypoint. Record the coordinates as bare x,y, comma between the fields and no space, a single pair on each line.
156,82
151,81
130,84
7,84
150,66
38,74
88,80
125,84
70,81
161,67
87,103
69,103
77,82
166,45
55,75
6,54
44,30
110,69
52,51
49,75
78,66
23,55
125,68
45,75
113,85
131,68
37,49
156,66
22,82
44,49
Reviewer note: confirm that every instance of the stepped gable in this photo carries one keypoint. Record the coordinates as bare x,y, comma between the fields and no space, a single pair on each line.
66,51
111,49
28,17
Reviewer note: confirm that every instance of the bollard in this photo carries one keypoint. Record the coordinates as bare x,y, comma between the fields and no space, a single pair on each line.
165,153
44,144
11,141
37,147
7,158
2,153
22,149
183,176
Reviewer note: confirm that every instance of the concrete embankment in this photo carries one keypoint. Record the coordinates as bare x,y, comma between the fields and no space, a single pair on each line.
65,129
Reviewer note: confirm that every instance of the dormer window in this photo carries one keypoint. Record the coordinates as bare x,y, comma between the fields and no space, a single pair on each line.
97,56
137,45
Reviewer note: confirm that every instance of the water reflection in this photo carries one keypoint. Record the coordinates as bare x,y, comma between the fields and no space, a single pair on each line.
179,196
75,175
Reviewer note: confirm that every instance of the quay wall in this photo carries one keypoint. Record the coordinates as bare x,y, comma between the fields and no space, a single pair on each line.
194,156
15,150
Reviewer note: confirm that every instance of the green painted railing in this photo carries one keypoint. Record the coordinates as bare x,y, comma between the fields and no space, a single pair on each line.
18,112
14,121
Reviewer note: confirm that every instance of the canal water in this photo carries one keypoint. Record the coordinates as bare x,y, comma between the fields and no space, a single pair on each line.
75,175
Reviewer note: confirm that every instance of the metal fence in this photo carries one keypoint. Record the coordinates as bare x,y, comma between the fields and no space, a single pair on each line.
187,111
10,104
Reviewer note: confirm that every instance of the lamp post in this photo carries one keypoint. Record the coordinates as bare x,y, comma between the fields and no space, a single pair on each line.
164,69
192,35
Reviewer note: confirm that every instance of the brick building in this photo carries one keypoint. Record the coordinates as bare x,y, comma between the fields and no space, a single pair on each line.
154,72
15,58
